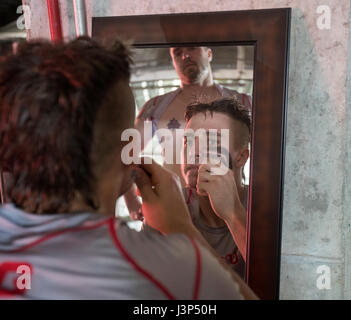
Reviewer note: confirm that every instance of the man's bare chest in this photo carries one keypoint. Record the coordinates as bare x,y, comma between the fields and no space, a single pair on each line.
173,117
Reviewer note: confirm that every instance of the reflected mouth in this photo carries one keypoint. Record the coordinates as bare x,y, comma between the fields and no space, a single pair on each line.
189,64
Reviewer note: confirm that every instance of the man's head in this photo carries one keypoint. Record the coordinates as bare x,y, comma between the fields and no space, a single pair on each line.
63,108
220,114
191,63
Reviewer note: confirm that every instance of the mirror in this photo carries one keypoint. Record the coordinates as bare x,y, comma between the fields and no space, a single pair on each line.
262,35
159,73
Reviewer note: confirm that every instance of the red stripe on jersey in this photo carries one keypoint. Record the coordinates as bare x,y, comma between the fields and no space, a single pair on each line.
198,270
189,196
57,233
113,233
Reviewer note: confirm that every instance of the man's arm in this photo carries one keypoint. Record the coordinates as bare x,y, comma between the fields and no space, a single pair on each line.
236,223
225,202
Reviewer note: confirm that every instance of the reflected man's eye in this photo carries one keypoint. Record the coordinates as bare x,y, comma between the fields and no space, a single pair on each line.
177,53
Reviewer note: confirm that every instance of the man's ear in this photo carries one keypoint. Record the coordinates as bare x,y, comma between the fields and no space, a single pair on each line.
242,157
172,57
209,54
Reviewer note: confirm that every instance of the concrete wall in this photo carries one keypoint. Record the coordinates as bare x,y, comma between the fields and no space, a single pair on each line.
317,197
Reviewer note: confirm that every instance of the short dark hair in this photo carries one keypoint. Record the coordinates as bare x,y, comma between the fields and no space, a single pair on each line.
229,106
49,98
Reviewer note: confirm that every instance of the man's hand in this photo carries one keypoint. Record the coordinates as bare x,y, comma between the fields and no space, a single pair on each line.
221,191
164,208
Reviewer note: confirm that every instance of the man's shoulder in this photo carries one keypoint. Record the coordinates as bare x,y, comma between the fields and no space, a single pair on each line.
227,92
243,98
154,250
148,238
195,271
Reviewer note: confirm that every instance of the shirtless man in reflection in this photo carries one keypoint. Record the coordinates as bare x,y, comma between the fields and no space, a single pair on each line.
217,203
193,66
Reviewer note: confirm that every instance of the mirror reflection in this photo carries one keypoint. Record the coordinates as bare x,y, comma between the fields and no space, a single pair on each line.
187,98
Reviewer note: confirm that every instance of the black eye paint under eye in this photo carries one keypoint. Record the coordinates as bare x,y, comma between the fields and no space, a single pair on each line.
225,155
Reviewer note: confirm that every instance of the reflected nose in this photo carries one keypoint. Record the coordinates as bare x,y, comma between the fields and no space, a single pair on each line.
196,153
185,54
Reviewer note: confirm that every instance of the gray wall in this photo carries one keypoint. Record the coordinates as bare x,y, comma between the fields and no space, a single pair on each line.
317,201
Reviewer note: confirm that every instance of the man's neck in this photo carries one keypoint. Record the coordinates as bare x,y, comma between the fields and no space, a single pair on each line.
197,92
105,194
199,85
203,82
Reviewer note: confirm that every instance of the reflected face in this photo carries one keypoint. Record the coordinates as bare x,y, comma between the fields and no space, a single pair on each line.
191,63
201,121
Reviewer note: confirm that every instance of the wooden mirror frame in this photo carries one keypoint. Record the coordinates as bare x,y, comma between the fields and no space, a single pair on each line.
268,31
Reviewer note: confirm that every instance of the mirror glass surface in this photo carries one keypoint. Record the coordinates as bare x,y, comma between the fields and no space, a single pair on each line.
154,75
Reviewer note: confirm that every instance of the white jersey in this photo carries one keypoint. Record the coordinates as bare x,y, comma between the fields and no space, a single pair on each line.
85,256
